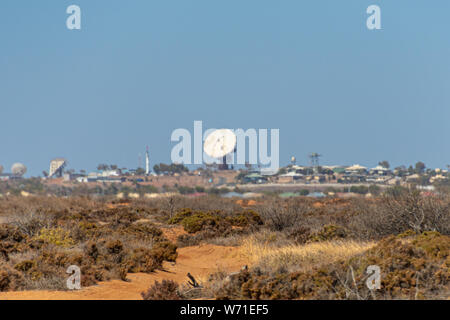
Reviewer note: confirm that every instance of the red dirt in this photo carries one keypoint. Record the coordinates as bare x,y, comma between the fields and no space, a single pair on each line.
246,203
200,261
173,233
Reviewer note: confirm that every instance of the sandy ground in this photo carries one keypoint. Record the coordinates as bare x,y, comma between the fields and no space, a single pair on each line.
200,261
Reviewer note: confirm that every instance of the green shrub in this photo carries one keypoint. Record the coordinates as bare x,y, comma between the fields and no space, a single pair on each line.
180,216
195,221
198,221
25,266
329,232
246,218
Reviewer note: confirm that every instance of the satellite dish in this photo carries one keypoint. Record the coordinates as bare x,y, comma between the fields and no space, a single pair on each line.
220,143
56,167
1,169
18,169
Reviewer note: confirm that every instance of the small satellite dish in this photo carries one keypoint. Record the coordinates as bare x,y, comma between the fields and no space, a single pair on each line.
18,169
220,143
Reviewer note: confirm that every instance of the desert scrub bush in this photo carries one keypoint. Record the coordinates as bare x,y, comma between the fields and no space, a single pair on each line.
11,233
148,260
25,266
12,240
46,282
194,221
143,260
399,212
84,230
54,261
327,233
114,247
246,218
104,240
300,235
119,216
198,221
414,268
30,270
30,223
165,251
217,220
279,215
61,257
434,244
180,216
143,231
10,279
417,267
56,236
213,224
165,290
91,250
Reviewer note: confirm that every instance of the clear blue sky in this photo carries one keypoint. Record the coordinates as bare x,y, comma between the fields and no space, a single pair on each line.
140,69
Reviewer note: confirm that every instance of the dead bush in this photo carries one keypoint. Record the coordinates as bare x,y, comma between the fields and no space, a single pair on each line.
280,215
30,223
397,213
10,279
300,235
166,290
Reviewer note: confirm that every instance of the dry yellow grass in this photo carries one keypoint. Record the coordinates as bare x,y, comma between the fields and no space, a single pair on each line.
300,257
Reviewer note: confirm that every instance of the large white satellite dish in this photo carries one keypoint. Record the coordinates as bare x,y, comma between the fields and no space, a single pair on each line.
220,143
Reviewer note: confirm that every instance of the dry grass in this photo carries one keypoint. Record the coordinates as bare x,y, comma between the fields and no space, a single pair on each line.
291,257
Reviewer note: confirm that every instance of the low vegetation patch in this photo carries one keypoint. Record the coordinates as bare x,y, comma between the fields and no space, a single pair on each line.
289,257
106,243
214,224
297,248
166,290
413,268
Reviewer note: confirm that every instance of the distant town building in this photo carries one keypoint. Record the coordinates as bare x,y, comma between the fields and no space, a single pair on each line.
379,170
290,177
356,169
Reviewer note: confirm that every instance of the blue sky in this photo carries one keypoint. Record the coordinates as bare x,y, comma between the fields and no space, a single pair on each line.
140,69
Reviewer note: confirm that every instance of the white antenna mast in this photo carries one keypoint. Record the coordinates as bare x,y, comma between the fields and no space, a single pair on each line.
147,162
